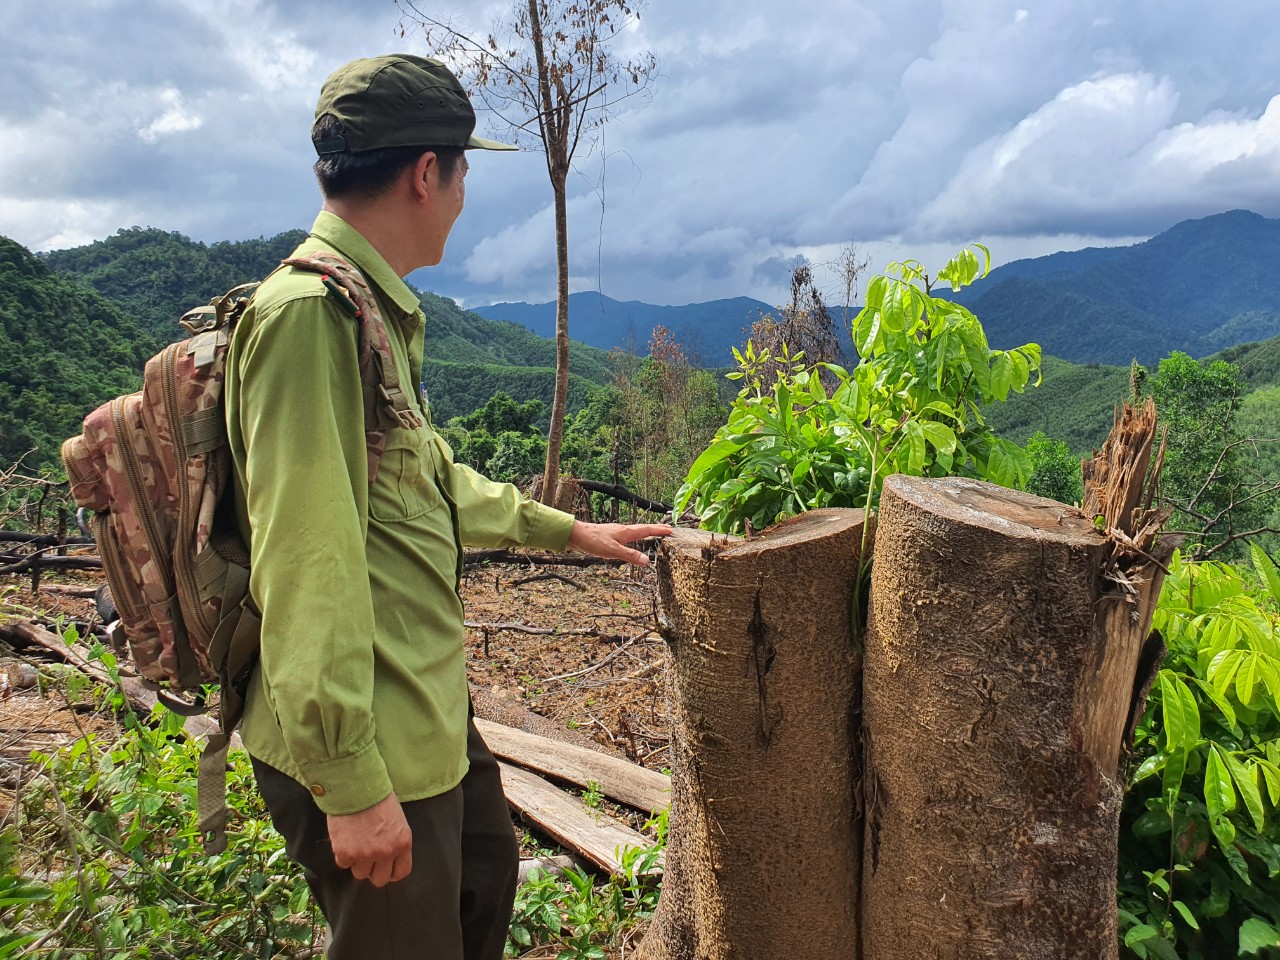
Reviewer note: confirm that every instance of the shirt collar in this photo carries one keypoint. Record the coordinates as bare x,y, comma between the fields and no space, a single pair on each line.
348,241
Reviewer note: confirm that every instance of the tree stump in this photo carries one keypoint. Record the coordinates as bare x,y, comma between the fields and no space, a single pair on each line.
763,849
1004,661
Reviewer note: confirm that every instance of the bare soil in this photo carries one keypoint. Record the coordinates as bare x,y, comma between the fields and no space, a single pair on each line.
596,664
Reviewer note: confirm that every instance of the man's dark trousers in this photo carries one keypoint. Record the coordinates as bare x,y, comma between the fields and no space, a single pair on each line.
456,902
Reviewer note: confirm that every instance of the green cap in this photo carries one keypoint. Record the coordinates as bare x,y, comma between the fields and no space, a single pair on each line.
398,100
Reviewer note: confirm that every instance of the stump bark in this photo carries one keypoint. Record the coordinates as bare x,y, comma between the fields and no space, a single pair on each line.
1004,660
763,849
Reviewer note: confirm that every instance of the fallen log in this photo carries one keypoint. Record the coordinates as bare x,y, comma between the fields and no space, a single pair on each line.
626,496
141,697
591,834
500,706
763,848
618,780
66,590
1004,658
42,539
14,563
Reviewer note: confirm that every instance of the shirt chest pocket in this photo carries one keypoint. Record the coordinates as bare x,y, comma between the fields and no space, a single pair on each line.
405,487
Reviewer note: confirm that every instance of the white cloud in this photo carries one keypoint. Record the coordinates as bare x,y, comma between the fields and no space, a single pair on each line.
175,119
912,126
1107,152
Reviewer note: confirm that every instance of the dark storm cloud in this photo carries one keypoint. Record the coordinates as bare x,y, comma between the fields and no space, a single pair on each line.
771,131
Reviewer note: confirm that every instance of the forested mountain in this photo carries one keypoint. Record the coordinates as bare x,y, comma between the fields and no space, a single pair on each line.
707,331
79,333
1199,287
77,326
63,350
1075,402
155,276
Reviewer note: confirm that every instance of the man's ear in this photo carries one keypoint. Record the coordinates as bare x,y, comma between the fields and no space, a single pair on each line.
425,177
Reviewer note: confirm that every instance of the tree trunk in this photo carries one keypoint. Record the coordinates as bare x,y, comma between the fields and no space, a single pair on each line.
763,849
560,402
1002,666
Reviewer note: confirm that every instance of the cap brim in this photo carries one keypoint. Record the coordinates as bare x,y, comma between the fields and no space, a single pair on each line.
481,143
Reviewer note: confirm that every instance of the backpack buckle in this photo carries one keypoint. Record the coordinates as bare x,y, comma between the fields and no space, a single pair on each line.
399,408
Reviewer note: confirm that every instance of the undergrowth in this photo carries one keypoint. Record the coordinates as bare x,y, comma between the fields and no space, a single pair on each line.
1200,838
101,857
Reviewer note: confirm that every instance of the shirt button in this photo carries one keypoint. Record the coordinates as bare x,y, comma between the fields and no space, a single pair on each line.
317,790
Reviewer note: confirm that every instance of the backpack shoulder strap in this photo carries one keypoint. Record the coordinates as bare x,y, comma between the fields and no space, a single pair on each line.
386,404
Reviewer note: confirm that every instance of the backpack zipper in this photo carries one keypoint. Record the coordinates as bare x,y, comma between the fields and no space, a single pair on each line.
131,606
168,383
134,471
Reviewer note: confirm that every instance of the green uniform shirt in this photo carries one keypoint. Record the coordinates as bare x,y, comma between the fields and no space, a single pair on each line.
361,688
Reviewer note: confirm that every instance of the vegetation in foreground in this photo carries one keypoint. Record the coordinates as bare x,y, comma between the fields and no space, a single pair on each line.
101,857
1200,836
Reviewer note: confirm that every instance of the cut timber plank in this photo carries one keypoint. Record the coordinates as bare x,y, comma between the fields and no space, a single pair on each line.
619,780
593,835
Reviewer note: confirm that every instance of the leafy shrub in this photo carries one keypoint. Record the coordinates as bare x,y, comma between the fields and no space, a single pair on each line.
1200,841
823,436
579,916
112,826
1055,473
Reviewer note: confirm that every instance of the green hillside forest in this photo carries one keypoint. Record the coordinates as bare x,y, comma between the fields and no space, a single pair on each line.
79,324
64,348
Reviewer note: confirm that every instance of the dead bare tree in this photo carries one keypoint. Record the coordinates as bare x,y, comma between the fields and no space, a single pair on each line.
31,499
804,325
848,266
547,71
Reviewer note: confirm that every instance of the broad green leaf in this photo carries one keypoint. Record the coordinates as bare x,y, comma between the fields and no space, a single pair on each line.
1180,712
1157,879
711,456
1271,776
1246,678
1152,823
1245,776
1222,669
942,437
913,437
1225,832
1267,570
1171,783
1223,705
1149,767
1140,933
1255,935
1187,915
1001,376
1219,793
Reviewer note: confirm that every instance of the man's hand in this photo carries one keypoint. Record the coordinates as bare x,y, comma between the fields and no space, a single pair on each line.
607,539
376,844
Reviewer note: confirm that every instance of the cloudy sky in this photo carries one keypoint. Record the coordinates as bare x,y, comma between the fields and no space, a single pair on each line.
772,131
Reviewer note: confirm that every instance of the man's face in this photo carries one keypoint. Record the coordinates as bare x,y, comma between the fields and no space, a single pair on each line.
447,199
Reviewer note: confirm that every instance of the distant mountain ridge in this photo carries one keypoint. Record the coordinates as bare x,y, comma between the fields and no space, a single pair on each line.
1199,287
707,330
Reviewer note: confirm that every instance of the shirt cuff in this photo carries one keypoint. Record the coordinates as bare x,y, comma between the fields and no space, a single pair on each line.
348,784
549,529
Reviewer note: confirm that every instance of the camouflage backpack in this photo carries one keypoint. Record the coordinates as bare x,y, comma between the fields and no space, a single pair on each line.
154,466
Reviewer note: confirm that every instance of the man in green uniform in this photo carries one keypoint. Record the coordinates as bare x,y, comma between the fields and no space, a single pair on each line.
357,717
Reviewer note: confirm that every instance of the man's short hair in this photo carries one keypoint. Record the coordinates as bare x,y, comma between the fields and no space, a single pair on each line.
370,173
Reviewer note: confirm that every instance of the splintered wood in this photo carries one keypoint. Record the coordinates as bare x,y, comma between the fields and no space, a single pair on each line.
1120,482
